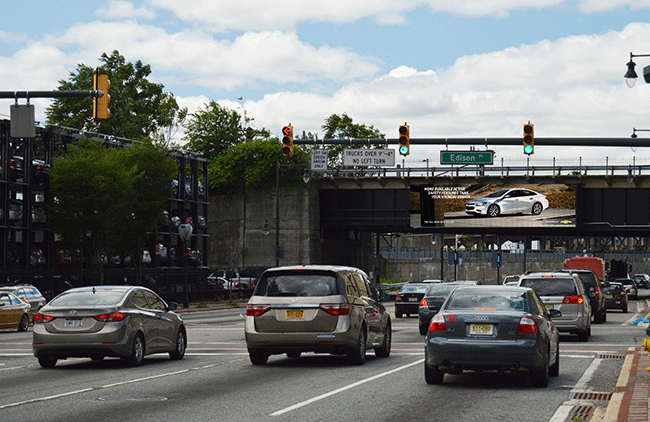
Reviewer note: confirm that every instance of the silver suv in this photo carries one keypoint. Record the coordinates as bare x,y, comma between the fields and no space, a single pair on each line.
316,308
566,293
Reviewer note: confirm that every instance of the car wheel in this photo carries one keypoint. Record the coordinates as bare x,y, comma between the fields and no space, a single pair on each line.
137,351
358,355
424,330
493,211
293,355
98,358
47,361
537,208
539,378
258,357
398,314
433,375
24,323
181,346
625,309
384,350
583,335
604,314
554,370
598,317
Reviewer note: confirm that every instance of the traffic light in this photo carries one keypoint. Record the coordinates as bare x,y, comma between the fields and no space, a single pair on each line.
404,139
287,140
453,258
497,259
100,105
529,138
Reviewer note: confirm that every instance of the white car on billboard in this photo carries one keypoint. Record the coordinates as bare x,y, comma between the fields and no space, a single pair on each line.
508,201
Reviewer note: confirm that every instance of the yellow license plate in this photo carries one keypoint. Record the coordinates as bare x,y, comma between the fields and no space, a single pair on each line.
295,314
480,329
549,306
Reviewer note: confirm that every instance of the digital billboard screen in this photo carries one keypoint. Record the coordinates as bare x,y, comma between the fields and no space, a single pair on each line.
490,205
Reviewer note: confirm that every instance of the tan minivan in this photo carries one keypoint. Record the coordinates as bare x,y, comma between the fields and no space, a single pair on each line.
316,308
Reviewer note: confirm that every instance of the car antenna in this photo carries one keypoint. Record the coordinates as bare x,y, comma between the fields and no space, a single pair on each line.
93,289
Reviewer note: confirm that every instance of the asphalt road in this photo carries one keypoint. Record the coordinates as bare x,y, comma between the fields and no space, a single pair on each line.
216,381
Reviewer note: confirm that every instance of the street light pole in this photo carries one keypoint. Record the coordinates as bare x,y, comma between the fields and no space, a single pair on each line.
305,178
185,233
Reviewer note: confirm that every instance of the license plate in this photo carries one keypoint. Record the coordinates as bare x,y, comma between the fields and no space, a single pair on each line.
413,299
295,314
609,296
549,306
73,322
480,329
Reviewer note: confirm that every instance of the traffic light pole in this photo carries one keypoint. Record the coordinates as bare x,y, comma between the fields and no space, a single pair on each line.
568,141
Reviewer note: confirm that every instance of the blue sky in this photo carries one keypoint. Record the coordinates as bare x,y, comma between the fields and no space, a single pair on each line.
450,68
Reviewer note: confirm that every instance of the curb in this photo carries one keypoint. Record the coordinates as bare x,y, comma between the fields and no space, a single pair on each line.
615,404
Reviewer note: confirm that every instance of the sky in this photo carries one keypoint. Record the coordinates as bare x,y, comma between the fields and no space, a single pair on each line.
448,68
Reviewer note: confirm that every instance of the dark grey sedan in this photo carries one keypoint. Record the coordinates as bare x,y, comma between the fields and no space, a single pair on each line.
433,300
493,328
127,322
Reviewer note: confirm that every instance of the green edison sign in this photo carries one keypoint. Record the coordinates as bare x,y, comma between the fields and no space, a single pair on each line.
467,157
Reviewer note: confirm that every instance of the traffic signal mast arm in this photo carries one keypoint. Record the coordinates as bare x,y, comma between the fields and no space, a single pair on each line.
51,94
591,142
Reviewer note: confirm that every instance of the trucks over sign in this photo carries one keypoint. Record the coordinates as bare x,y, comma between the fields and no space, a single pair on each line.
368,157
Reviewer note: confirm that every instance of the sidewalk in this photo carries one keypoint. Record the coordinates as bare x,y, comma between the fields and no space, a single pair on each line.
629,403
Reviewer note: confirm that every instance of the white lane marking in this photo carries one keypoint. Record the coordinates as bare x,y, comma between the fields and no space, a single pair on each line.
342,389
69,393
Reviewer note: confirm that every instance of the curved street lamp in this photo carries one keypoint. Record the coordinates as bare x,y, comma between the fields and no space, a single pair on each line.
630,76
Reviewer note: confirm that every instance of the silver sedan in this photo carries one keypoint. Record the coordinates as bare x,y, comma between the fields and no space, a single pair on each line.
127,322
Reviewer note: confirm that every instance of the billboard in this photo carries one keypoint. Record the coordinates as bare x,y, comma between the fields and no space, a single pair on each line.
489,205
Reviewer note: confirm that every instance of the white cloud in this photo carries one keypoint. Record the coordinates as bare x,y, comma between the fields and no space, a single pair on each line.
125,10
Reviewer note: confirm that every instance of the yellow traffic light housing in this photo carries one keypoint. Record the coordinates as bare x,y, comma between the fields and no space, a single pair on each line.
404,139
529,138
287,140
100,104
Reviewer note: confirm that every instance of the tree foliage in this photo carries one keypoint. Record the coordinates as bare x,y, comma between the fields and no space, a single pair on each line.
139,108
213,130
111,197
342,127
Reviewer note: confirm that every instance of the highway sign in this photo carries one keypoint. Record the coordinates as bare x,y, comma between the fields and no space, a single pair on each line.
467,157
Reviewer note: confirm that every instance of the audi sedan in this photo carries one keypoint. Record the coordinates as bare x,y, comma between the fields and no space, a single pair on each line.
499,328
508,201
127,322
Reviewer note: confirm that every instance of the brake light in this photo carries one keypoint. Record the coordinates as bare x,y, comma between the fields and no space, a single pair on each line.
438,323
424,302
39,317
623,293
527,325
336,308
257,310
597,293
398,298
112,317
573,300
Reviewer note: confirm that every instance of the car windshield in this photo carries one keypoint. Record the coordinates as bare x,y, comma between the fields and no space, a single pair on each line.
298,284
414,289
551,286
89,298
441,290
487,300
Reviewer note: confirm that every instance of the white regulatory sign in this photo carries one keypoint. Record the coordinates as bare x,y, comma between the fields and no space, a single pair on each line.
368,157
319,159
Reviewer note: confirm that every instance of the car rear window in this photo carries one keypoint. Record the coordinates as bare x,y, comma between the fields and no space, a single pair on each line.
305,283
89,298
551,286
487,300
587,279
441,290
414,289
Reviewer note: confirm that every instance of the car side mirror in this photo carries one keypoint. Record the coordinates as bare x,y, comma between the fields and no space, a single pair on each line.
172,306
554,313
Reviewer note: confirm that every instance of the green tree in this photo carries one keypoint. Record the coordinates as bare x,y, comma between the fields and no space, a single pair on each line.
213,130
342,127
111,197
139,108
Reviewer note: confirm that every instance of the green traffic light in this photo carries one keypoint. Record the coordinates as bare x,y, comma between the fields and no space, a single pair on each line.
404,150
528,149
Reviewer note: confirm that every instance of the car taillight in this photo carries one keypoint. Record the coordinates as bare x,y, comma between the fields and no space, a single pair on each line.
438,323
336,308
39,317
257,310
112,317
597,293
424,302
398,298
527,325
623,293
573,300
